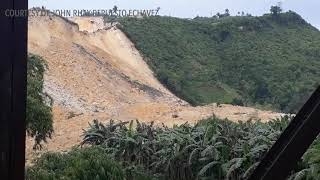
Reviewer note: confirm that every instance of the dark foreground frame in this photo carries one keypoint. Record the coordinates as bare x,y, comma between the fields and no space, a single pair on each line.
13,77
292,144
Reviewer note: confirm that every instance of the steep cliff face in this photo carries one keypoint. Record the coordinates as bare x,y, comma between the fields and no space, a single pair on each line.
95,72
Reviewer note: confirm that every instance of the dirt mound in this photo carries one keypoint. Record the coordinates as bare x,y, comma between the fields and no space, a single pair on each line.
97,73
89,24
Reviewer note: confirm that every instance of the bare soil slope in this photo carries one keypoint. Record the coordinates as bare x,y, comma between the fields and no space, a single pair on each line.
97,73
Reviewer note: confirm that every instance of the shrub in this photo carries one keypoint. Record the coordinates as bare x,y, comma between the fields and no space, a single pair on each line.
237,101
78,164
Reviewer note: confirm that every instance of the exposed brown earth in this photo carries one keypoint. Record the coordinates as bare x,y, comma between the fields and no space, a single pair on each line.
97,73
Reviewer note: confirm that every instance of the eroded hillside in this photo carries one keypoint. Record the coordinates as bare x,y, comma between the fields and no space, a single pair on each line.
98,74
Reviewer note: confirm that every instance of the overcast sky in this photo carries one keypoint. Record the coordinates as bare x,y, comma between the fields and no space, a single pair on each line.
308,9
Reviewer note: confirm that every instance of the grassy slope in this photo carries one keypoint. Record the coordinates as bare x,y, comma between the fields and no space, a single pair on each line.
257,61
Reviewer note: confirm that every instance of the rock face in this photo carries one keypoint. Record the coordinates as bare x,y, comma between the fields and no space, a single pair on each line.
89,24
95,72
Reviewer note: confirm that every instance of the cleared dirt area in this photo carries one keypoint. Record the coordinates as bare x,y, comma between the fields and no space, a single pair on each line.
97,73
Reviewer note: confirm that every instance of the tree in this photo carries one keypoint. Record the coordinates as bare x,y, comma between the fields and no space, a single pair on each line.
39,115
275,10
227,12
115,9
218,15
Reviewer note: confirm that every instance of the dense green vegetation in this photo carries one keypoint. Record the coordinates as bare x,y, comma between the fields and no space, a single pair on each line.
39,115
212,149
271,61
79,164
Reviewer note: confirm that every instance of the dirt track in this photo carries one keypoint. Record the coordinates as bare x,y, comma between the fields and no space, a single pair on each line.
98,74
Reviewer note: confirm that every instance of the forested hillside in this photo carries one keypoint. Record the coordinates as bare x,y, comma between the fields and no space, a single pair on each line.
271,61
